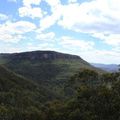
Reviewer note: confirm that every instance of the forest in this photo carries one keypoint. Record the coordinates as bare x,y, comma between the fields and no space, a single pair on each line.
90,96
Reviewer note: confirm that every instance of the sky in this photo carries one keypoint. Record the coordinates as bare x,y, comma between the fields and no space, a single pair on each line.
88,28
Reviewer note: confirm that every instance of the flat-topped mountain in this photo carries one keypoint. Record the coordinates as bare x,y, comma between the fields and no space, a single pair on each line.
48,68
39,55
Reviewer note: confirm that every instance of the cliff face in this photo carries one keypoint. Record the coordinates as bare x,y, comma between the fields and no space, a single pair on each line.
43,55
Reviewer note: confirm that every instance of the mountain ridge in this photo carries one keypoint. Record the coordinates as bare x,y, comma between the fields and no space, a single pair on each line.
47,68
40,55
107,67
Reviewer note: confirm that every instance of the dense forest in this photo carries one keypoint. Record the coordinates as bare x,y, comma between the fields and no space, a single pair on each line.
96,97
55,86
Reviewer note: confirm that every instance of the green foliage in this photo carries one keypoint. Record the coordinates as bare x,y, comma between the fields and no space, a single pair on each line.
57,90
91,102
49,69
21,99
86,76
99,103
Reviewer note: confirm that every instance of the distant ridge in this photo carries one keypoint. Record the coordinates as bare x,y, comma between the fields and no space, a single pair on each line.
107,67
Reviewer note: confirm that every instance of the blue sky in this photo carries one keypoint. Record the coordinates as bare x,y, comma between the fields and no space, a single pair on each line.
88,28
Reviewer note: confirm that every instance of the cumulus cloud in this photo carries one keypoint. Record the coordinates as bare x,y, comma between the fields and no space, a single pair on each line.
53,3
44,46
101,56
48,21
14,31
88,51
93,17
28,11
56,12
98,18
72,1
19,27
28,3
10,49
110,39
80,45
10,38
46,36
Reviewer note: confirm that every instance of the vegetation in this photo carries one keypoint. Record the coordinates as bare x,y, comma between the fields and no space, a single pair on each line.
49,69
86,95
20,98
101,103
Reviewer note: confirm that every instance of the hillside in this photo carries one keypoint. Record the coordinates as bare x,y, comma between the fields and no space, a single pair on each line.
47,68
24,99
20,98
19,88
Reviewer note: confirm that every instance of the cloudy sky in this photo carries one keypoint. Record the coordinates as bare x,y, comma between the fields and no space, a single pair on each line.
88,28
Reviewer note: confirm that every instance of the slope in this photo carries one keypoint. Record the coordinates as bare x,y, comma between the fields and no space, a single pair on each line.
47,68
17,91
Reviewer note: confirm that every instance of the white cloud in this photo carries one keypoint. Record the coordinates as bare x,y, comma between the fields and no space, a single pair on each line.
10,50
14,31
110,39
46,36
101,56
93,17
80,17
53,4
19,27
98,18
87,50
80,45
44,46
72,1
28,3
30,12
10,38
3,17
49,20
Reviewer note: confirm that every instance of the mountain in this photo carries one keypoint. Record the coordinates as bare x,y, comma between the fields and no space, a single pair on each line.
107,67
39,55
34,86
47,68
